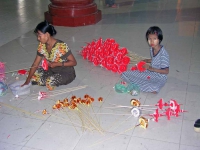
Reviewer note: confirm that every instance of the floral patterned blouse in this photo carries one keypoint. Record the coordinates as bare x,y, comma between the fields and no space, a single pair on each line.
59,53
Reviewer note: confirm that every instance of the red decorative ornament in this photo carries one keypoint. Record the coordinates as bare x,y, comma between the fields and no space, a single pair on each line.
122,68
173,104
168,113
90,58
22,72
115,46
45,64
114,68
134,68
106,54
124,51
109,67
118,62
104,63
110,60
95,61
140,66
119,56
42,95
160,103
126,60
115,52
112,40
156,115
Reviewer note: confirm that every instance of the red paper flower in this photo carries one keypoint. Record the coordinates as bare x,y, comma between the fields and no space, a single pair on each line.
45,64
140,66
148,77
119,56
122,68
118,62
84,56
109,67
134,68
90,58
104,63
126,60
124,51
110,60
106,52
96,53
114,68
92,51
95,61
101,54
115,46
22,72
115,52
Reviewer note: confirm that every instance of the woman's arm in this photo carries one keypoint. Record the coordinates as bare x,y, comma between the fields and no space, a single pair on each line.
33,69
162,71
147,60
71,61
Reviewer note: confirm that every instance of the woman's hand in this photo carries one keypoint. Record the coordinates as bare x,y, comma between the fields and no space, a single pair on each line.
55,64
25,83
146,66
147,60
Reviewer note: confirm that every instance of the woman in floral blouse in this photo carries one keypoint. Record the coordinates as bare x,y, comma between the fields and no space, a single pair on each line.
60,60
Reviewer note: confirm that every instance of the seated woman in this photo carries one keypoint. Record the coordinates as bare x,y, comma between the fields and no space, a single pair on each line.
60,59
155,76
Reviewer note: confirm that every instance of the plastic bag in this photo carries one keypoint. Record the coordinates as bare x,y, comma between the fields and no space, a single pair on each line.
18,90
3,88
124,87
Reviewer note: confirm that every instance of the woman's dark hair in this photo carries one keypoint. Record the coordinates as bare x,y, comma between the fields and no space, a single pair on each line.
155,30
45,27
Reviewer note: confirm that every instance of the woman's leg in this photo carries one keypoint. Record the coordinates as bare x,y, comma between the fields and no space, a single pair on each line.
58,79
40,76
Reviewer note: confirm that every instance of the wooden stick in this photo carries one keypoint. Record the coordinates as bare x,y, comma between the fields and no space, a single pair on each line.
101,141
21,110
66,90
110,114
61,92
122,122
92,123
19,69
58,91
121,105
71,122
89,117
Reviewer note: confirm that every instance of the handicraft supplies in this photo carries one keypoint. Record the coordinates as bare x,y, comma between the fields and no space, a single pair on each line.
108,54
124,87
168,109
18,90
2,71
3,86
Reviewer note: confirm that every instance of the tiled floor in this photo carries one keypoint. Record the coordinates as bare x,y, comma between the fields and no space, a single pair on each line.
22,125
